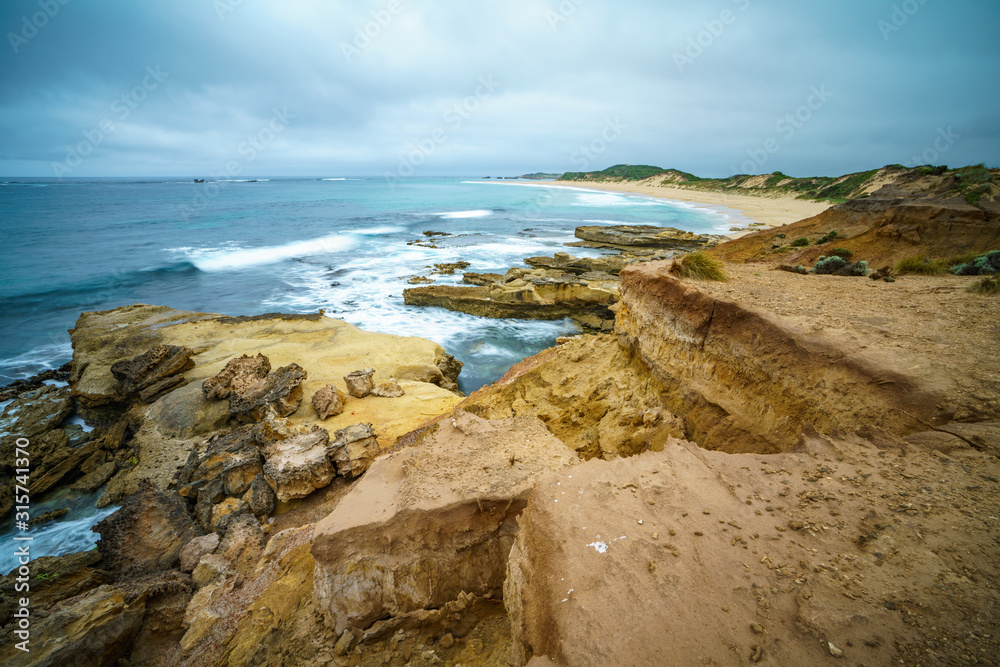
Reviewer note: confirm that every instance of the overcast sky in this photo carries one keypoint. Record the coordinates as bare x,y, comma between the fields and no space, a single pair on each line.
466,87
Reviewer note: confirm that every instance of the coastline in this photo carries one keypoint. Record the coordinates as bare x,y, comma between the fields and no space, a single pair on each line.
770,211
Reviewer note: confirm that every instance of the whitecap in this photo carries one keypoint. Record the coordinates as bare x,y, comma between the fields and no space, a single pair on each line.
457,215
242,258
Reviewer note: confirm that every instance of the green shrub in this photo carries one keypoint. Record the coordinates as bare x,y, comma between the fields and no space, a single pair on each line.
800,242
700,266
826,238
920,265
933,171
986,285
843,253
987,264
837,266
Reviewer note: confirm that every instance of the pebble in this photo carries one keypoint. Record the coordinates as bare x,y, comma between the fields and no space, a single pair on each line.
834,651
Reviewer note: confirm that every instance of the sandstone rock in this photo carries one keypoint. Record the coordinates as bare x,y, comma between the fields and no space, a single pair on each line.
239,470
95,628
481,278
54,475
344,643
238,376
645,236
329,401
197,547
53,579
51,515
243,544
152,373
260,497
281,391
353,449
210,567
296,467
94,480
388,389
227,511
463,487
146,534
34,413
94,461
565,262
360,383
327,348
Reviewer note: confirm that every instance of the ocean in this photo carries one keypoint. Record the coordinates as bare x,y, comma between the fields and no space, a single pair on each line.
245,247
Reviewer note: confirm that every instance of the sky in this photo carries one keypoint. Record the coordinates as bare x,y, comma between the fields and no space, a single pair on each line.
427,88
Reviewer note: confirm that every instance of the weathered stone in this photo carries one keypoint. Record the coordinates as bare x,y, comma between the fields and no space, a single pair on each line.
281,391
146,534
239,470
388,389
157,369
33,413
224,513
260,497
329,401
243,544
94,461
296,467
48,516
360,383
209,494
344,644
71,463
644,236
209,568
463,486
238,376
192,552
353,449
95,628
94,480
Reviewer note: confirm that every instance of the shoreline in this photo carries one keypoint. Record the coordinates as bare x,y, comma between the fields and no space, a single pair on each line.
770,211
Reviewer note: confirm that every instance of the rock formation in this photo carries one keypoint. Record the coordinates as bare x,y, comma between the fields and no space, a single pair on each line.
628,237
418,530
329,402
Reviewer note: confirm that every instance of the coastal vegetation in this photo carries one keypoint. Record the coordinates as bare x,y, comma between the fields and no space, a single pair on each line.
700,266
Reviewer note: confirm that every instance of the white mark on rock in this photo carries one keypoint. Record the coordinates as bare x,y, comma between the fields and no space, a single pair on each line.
600,547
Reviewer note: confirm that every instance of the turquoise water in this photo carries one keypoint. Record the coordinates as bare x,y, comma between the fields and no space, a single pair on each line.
291,245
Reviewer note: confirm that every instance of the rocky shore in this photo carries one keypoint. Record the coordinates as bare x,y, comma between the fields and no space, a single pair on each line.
778,469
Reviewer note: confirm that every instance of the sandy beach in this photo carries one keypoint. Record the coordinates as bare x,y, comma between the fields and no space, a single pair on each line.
771,211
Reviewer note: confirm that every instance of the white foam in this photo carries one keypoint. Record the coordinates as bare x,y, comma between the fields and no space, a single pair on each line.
334,179
38,359
378,231
458,215
238,259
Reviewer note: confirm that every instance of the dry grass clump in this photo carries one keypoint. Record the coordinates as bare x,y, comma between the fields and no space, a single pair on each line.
700,266
920,265
986,285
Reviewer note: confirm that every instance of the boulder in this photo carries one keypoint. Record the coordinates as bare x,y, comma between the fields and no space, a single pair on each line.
388,389
299,465
329,402
239,470
96,479
360,383
353,449
146,535
427,523
197,547
238,376
156,371
281,391
260,497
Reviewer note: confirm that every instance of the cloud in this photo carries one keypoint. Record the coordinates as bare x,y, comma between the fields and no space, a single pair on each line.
701,87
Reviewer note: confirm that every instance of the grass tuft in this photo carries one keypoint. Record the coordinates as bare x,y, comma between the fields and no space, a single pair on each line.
700,266
986,285
920,265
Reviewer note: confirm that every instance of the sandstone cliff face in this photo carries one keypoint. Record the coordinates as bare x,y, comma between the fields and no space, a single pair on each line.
744,380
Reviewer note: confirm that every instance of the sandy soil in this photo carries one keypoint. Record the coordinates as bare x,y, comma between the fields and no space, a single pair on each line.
931,325
771,211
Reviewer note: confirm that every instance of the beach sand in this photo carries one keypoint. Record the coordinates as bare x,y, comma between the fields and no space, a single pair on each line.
771,211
